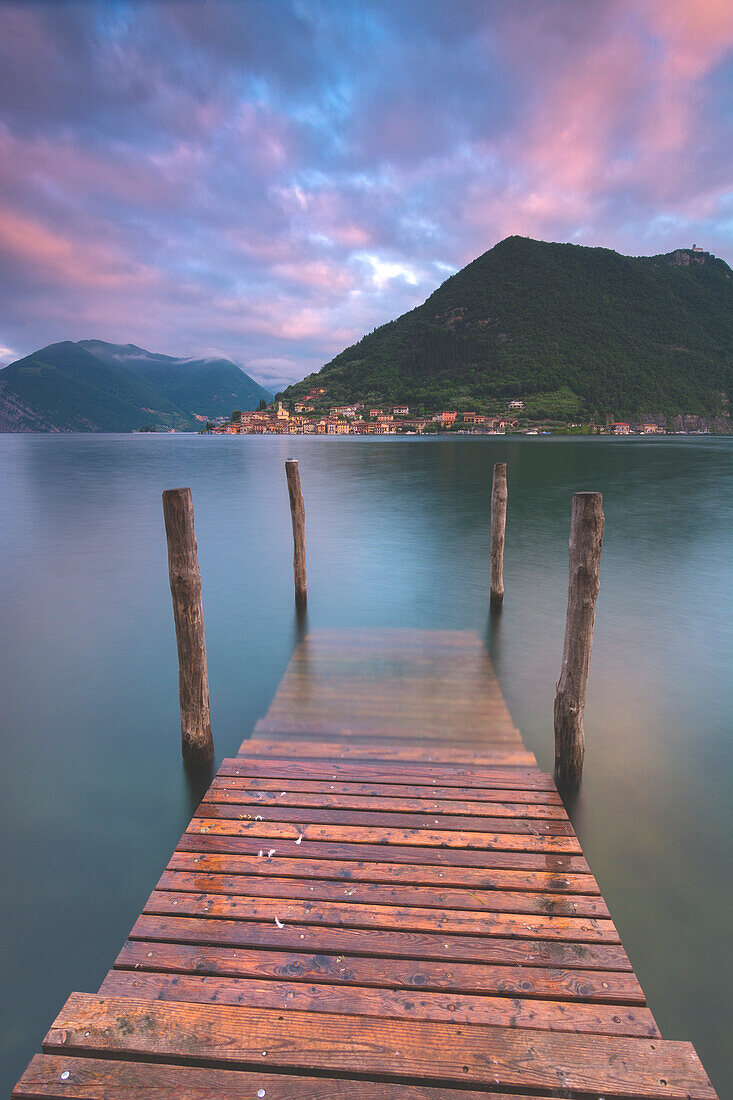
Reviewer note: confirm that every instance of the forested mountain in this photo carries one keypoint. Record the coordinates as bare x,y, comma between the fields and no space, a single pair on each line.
581,332
92,386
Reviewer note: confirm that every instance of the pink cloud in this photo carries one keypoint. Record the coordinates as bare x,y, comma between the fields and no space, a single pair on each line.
177,187
54,257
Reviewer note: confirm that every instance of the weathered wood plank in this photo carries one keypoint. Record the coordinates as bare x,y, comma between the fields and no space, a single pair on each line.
417,774
543,982
469,878
487,1057
388,943
357,834
498,531
372,897
433,897
221,792
415,793
584,558
325,816
435,752
553,863
412,918
297,514
197,743
352,999
54,1075
331,727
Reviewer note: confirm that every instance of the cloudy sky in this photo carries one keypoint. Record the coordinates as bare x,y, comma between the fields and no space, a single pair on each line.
270,179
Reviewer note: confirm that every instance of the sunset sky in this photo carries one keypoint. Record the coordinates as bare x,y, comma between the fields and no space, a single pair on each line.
271,180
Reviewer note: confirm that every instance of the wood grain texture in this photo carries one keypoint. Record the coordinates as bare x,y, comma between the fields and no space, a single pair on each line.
242,781
380,898
353,999
297,515
488,1057
382,802
384,942
354,892
543,982
498,529
584,555
419,774
72,1078
214,808
394,874
434,752
413,918
215,841
185,581
369,834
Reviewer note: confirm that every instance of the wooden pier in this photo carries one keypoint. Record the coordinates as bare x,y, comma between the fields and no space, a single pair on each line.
380,898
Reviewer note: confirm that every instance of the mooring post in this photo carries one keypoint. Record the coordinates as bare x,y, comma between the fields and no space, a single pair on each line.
197,742
585,546
498,527
297,514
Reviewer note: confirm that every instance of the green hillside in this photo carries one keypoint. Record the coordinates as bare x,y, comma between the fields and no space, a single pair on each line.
580,332
92,386
212,386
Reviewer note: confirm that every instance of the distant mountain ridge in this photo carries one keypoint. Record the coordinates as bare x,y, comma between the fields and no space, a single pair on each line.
574,331
94,386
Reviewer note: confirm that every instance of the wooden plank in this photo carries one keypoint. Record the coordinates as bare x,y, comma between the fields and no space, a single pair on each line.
381,897
495,729
482,795
492,756
542,982
411,918
471,878
515,1012
389,686
357,834
443,702
382,640
491,732
424,1050
553,863
444,673
387,943
441,699
220,791
54,1075
213,808
414,638
507,778
501,901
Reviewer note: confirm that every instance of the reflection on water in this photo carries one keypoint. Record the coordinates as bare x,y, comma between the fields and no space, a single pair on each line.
197,778
94,796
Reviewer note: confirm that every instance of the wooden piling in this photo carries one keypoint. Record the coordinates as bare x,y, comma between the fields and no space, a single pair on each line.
297,514
585,546
498,526
197,742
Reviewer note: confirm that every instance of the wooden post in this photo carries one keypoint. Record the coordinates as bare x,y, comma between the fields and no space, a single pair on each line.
197,743
585,546
297,514
498,526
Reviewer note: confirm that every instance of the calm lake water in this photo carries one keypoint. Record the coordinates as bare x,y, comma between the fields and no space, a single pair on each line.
93,794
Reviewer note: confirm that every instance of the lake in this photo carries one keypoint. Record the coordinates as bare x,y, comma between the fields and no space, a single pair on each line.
94,797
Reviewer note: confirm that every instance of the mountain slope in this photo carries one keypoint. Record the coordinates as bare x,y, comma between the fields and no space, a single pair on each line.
96,387
211,386
611,335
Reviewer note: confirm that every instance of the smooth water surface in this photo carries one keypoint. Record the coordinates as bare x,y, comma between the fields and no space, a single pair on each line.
93,794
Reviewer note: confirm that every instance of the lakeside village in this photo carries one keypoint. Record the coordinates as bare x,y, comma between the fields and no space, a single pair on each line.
305,418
